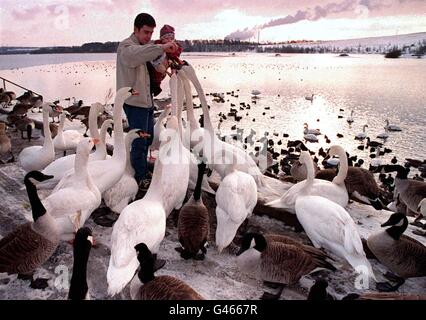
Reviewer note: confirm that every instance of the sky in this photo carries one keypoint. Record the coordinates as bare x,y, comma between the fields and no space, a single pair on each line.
66,23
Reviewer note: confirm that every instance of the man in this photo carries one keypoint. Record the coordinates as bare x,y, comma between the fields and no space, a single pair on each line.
134,70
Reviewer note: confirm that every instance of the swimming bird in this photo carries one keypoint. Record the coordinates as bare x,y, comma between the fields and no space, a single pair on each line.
391,127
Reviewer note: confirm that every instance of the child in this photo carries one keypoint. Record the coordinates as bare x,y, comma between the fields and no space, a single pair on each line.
169,59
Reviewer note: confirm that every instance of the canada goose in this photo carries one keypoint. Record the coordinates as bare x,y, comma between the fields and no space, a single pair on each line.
31,244
276,262
359,182
411,192
146,286
361,135
318,291
391,127
404,256
82,245
193,223
27,125
5,144
330,226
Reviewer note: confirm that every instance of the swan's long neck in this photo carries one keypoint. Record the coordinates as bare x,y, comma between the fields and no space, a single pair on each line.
80,165
190,73
310,172
180,105
189,102
343,168
93,122
48,142
61,125
101,146
128,140
173,83
119,146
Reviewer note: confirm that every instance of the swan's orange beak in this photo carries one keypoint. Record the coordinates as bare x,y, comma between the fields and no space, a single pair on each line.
134,92
144,134
95,141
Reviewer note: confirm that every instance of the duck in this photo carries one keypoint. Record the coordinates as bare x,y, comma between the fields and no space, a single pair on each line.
82,245
306,130
147,286
68,139
61,166
335,190
30,244
310,98
193,223
350,119
38,157
405,257
144,220
125,190
411,192
5,144
276,262
391,127
236,198
361,135
330,226
76,196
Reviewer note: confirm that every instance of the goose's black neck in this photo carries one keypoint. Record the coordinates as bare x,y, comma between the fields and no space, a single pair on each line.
197,191
37,207
396,231
78,287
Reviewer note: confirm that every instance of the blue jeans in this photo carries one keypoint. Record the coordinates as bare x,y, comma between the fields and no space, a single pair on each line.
143,119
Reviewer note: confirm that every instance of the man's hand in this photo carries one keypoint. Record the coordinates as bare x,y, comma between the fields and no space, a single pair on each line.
169,47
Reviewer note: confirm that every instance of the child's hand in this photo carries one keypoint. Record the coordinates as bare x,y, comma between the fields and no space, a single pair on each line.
170,47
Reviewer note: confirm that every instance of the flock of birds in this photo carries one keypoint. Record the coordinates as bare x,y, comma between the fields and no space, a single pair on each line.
78,183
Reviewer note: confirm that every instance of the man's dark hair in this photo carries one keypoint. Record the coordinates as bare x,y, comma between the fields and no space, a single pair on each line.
144,19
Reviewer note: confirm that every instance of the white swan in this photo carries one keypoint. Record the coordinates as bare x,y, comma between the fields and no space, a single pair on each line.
145,220
119,196
391,127
383,135
76,196
350,119
334,191
310,137
193,130
329,226
216,152
236,198
106,173
361,135
68,139
38,157
61,166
